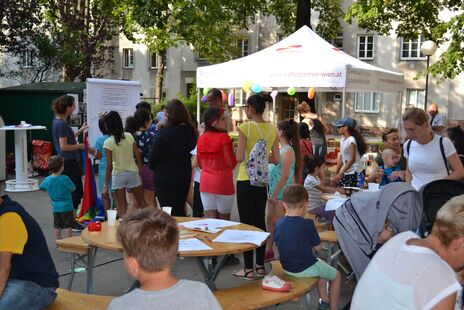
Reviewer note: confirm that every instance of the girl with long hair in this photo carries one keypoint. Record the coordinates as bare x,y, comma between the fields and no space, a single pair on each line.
217,161
352,148
251,200
282,175
121,167
170,157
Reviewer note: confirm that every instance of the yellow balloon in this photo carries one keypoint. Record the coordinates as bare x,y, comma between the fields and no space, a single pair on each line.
247,85
311,93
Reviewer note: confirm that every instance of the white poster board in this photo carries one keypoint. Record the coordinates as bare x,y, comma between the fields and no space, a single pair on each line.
109,95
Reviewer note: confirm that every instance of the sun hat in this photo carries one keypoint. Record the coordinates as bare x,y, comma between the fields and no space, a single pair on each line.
345,121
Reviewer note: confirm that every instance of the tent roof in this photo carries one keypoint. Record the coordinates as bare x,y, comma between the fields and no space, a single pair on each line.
301,60
46,87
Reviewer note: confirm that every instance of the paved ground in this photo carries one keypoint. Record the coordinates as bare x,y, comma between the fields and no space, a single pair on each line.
111,279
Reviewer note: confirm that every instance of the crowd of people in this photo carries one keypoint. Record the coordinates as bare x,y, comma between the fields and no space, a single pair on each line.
167,159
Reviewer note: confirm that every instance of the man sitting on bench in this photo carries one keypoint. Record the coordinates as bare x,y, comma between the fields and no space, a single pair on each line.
28,277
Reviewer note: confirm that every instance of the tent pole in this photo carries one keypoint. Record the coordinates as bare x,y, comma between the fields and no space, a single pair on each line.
198,106
273,112
343,102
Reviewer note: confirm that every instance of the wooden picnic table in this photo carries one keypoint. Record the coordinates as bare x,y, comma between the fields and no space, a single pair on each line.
107,239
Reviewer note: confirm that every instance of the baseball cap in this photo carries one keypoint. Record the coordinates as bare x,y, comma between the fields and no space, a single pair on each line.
345,121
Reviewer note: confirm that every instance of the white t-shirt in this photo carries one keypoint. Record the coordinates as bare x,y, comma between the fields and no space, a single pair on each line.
314,195
402,276
197,170
345,152
425,161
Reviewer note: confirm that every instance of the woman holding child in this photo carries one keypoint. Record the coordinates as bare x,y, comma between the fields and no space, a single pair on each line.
251,200
430,157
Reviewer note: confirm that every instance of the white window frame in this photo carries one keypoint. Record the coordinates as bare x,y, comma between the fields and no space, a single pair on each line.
373,98
416,102
27,59
154,61
128,58
419,40
363,39
240,97
338,39
244,45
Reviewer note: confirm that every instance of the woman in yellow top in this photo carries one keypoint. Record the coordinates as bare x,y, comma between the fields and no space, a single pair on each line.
121,167
251,200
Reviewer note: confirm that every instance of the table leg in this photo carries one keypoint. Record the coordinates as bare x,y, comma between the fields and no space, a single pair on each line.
91,252
209,273
20,155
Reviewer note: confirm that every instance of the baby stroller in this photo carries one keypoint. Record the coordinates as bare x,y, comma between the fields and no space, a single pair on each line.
361,218
434,195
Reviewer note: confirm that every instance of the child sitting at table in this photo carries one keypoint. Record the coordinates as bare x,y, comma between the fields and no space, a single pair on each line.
315,168
150,239
59,188
296,238
390,167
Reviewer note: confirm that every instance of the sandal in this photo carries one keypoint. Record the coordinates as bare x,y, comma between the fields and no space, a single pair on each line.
260,271
245,274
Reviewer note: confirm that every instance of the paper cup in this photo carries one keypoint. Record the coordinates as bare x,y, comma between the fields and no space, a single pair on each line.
167,210
373,186
112,217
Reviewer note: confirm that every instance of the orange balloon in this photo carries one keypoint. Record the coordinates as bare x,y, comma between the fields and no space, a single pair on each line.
311,93
224,95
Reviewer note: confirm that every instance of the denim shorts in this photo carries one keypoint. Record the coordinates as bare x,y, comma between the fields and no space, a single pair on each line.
320,269
20,294
125,179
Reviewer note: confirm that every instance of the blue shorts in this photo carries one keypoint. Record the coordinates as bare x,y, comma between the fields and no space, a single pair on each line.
125,179
320,269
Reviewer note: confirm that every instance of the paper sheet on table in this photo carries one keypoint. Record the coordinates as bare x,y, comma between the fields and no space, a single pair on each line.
242,236
192,244
334,204
210,223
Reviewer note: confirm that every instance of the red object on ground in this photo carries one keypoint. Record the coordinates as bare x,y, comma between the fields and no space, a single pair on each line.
41,152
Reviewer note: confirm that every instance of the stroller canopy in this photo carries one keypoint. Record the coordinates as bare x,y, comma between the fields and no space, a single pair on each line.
362,217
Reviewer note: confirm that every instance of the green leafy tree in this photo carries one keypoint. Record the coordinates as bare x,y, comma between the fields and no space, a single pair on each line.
410,18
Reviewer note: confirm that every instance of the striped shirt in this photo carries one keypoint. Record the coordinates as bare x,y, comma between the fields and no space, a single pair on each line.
314,195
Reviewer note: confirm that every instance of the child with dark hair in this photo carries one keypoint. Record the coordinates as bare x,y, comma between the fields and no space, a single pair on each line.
121,167
297,238
352,147
217,161
315,188
282,175
140,125
150,239
146,106
59,188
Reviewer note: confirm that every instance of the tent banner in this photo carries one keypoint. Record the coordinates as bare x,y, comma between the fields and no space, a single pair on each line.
373,81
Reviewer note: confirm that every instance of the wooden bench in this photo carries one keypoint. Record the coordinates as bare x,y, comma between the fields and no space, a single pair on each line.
252,296
67,300
333,250
82,254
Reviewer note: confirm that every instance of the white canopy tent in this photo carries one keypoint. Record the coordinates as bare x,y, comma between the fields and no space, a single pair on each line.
301,60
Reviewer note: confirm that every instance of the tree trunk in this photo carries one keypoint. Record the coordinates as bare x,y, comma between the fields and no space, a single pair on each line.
70,73
159,76
303,14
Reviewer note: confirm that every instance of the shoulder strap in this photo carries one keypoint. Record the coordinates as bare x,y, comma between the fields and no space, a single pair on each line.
257,127
408,146
442,149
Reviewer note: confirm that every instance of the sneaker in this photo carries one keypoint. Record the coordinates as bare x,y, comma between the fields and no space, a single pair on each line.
76,227
323,305
232,261
276,284
269,256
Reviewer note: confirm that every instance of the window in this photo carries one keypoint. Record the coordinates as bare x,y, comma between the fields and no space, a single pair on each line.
27,58
366,47
244,47
128,61
367,102
410,49
239,97
338,41
416,97
280,37
154,60
288,107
